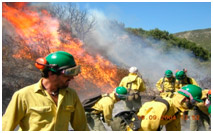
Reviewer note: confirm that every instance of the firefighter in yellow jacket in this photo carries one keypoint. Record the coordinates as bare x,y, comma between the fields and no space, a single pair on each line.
102,110
199,115
49,105
166,85
135,85
155,113
182,79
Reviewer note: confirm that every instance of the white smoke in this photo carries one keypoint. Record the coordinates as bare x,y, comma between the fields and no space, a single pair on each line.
125,50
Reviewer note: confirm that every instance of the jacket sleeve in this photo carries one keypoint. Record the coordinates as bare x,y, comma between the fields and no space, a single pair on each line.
79,121
203,108
158,84
107,111
14,113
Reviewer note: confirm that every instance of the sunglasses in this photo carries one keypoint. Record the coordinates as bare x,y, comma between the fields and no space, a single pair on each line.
73,71
121,97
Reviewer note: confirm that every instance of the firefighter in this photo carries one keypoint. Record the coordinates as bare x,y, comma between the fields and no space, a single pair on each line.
199,114
156,113
135,85
182,79
102,109
166,85
163,111
49,104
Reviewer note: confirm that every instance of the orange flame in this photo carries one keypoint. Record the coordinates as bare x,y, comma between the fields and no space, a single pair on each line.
40,33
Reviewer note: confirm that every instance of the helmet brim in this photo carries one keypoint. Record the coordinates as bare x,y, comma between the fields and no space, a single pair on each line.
198,100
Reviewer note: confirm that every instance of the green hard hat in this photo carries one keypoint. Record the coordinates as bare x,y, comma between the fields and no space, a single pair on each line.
209,109
180,75
121,92
168,73
61,60
195,91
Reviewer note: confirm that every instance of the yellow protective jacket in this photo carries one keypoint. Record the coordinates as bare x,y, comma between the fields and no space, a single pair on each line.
155,113
135,82
202,107
205,94
165,85
33,109
105,105
180,83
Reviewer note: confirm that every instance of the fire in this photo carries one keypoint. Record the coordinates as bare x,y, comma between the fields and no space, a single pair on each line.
40,34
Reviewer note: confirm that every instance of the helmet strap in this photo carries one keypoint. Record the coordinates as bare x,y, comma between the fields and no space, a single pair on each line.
187,93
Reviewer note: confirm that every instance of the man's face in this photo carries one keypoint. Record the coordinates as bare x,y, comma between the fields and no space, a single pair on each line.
63,81
187,104
169,78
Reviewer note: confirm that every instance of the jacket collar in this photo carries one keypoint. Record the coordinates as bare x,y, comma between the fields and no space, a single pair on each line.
38,86
112,95
177,100
133,74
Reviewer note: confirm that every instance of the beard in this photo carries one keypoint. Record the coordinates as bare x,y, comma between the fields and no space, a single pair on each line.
63,85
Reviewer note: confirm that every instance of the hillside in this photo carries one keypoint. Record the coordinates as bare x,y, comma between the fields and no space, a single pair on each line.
173,41
201,37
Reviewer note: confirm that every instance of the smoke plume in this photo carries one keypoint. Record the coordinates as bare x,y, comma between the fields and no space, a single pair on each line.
127,50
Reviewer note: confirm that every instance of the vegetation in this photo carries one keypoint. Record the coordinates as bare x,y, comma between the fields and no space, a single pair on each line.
173,41
201,37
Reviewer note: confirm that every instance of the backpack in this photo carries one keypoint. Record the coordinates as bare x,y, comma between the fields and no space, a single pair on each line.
88,103
163,101
130,84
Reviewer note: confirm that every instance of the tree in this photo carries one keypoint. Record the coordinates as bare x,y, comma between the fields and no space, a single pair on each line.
158,34
73,21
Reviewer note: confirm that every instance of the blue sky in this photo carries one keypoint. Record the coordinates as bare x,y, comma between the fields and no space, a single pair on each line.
170,16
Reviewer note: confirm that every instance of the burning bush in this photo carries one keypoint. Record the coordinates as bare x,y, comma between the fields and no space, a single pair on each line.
29,34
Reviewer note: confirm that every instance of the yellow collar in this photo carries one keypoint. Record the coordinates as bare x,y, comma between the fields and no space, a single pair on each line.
176,100
38,86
